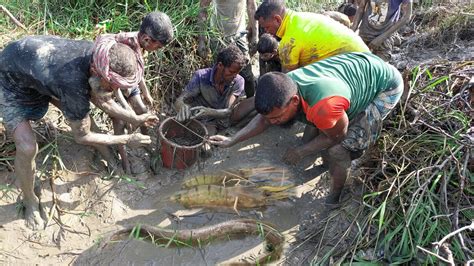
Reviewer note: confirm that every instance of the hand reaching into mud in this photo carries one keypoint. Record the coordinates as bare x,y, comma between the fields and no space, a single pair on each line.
184,113
292,156
136,140
221,141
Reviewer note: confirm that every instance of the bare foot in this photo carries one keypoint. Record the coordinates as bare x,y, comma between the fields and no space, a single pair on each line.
33,215
333,198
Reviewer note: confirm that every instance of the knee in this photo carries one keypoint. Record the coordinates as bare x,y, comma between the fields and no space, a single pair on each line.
27,148
140,108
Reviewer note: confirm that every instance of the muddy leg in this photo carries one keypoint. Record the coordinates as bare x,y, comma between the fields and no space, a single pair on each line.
105,151
139,108
25,167
119,127
339,161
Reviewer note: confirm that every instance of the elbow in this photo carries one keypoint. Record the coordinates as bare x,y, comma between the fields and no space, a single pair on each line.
82,139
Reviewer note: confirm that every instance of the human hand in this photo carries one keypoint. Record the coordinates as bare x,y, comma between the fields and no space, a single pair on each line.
202,50
221,141
148,119
184,113
200,111
292,156
136,140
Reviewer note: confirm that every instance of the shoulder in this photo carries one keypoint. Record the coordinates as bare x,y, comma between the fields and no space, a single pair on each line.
239,81
203,73
239,78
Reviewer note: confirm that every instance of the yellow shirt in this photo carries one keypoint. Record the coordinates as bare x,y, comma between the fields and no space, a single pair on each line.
309,37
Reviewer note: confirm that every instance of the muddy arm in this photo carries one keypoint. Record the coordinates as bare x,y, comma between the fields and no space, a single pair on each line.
145,93
407,9
180,102
104,100
122,101
258,124
254,128
83,135
327,139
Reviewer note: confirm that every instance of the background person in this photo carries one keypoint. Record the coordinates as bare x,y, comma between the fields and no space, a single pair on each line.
305,37
228,18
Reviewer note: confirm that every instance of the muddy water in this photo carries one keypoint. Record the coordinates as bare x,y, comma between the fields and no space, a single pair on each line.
265,150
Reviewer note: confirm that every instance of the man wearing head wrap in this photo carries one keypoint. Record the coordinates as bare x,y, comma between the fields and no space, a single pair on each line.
37,70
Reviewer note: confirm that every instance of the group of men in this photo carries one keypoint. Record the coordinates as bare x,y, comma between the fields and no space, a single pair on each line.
328,79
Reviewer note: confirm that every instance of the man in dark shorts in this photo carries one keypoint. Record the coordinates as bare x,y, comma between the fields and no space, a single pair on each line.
342,99
37,70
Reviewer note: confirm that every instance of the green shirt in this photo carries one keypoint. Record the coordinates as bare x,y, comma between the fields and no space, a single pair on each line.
353,79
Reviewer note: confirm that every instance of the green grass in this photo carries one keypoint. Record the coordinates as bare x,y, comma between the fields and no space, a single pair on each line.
404,205
413,201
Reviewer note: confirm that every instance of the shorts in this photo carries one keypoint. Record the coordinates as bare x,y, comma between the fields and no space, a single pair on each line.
16,108
365,128
130,92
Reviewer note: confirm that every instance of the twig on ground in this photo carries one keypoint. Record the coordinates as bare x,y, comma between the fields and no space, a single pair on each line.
467,227
10,15
434,254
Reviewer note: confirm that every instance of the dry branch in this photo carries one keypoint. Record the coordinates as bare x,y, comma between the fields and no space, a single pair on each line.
10,15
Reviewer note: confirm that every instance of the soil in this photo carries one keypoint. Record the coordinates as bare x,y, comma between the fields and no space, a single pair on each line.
93,205
85,204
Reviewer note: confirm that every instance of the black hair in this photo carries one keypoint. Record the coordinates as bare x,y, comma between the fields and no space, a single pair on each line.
123,60
158,26
269,7
231,54
267,44
348,9
274,89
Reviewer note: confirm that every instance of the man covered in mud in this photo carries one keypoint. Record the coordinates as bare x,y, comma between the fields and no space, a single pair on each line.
228,18
37,70
342,99
381,37
305,37
156,31
213,94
